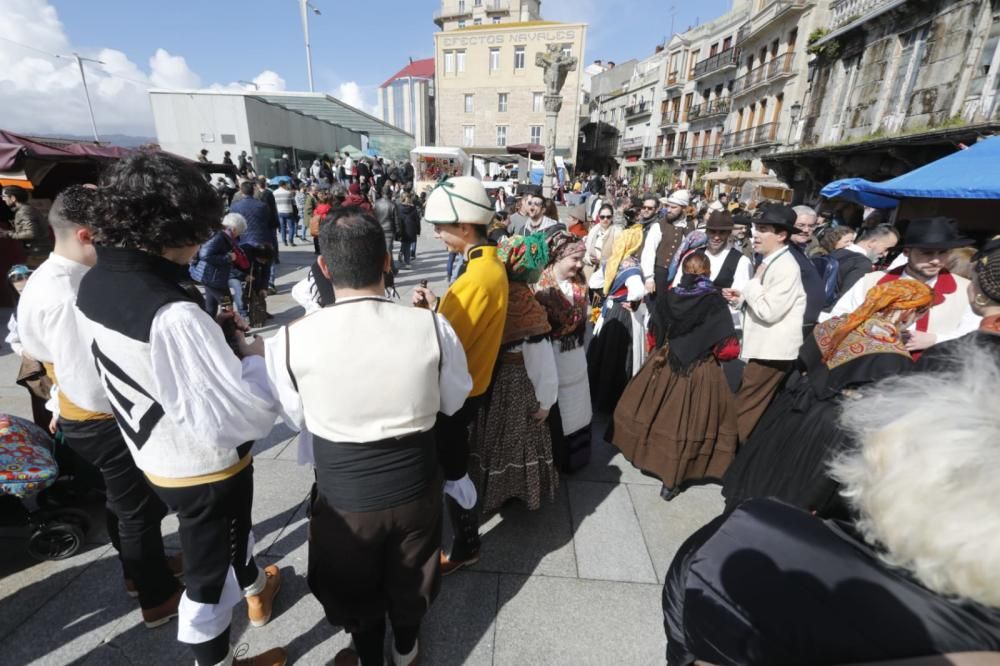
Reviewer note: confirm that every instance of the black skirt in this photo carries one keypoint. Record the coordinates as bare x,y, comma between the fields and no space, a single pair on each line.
609,359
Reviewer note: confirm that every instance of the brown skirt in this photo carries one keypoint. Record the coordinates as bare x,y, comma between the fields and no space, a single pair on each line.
511,453
677,427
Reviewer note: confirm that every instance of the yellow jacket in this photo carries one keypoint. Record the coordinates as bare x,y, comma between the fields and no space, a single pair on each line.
476,307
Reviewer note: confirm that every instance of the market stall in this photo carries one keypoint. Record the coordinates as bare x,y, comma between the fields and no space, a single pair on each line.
430,163
963,185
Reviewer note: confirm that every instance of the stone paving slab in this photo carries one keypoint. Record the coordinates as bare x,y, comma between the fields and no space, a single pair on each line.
666,525
608,539
531,542
557,621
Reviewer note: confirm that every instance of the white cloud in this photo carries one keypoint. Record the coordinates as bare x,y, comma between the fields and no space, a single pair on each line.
42,94
350,93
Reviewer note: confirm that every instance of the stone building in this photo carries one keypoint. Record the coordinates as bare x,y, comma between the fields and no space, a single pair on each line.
488,90
641,112
697,87
406,100
603,121
893,86
772,77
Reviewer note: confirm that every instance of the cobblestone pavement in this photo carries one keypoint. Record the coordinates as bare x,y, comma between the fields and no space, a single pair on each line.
577,582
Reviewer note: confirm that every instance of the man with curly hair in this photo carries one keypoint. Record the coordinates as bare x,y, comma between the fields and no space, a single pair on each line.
188,406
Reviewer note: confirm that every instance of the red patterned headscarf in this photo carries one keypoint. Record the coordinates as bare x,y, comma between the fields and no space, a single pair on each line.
881,299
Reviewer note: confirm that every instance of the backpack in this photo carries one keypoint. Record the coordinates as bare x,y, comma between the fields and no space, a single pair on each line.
829,269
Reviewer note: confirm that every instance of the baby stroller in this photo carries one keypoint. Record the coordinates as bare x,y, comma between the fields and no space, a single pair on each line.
27,470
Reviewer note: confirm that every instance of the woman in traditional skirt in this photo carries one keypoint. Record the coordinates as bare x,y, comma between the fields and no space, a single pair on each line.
788,453
511,452
619,348
562,291
677,419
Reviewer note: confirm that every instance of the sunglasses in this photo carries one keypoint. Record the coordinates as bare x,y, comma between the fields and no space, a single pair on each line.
604,217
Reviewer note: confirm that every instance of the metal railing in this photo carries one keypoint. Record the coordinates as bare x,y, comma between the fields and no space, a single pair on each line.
451,12
631,143
674,79
718,106
639,109
497,6
777,67
753,136
843,12
704,152
670,119
727,58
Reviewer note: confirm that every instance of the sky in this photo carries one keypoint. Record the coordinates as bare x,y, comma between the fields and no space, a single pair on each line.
219,43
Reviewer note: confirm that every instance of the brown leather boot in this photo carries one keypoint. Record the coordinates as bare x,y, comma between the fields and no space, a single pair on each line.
273,657
259,606
159,615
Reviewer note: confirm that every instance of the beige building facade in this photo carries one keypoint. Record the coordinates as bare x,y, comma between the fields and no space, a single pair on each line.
489,91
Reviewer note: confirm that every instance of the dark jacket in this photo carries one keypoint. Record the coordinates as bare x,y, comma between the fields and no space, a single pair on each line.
258,217
212,264
267,196
852,266
812,282
409,222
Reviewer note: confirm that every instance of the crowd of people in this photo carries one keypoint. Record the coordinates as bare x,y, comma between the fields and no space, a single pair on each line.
788,356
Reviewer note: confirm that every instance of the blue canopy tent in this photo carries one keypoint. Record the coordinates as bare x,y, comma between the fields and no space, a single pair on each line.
973,173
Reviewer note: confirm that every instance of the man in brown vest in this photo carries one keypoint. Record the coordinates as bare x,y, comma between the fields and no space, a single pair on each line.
662,237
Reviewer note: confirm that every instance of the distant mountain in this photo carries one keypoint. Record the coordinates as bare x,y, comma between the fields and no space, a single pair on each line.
123,140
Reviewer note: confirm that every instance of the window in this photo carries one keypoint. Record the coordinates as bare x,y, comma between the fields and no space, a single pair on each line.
478,3
727,43
460,61
537,102
477,21
567,51
468,135
502,102
501,136
692,61
449,62
496,20
688,99
461,23
518,57
468,103
536,134
494,59
461,5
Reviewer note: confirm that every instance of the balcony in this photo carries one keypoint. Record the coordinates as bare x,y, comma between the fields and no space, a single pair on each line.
706,152
716,63
778,67
451,13
749,138
662,151
631,144
717,107
671,119
674,80
640,109
497,7
769,14
844,12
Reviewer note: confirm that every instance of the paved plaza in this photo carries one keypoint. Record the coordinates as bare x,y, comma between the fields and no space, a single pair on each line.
577,582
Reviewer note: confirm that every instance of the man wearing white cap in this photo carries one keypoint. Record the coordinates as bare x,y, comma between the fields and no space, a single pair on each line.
476,306
662,239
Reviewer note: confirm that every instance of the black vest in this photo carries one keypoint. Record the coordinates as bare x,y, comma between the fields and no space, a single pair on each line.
724,280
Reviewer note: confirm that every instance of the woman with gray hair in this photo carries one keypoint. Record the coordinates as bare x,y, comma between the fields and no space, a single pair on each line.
915,574
214,265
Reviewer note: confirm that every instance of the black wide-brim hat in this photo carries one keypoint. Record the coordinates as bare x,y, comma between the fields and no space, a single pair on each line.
934,233
778,216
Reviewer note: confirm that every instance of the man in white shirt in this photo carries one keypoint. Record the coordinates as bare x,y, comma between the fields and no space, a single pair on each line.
774,306
188,403
284,199
927,244
661,236
51,332
730,268
367,377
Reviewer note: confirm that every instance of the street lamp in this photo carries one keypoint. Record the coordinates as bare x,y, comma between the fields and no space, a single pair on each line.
794,110
304,7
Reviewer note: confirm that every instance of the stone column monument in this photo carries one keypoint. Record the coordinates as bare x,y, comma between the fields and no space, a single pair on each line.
556,65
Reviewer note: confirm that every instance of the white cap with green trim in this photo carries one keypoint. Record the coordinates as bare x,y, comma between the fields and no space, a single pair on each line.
458,199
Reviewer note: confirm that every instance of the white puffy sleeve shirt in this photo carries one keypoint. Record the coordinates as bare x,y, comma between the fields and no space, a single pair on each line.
216,397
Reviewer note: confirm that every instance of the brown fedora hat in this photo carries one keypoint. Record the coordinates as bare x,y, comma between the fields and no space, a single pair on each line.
719,221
